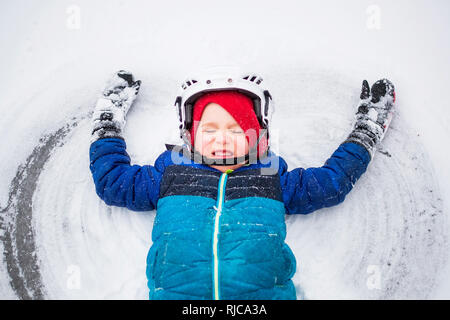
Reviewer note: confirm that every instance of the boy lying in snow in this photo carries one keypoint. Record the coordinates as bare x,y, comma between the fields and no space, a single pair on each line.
221,198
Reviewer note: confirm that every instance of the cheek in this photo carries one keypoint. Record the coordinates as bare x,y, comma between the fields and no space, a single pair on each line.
241,146
203,142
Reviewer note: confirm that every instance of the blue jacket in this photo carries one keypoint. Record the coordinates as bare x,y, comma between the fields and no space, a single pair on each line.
221,235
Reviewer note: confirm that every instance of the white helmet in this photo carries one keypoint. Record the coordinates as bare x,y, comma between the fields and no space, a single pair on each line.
223,78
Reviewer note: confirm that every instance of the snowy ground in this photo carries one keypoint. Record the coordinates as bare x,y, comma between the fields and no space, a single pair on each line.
388,240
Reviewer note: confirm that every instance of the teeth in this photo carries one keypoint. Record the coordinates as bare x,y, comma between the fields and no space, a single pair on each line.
221,153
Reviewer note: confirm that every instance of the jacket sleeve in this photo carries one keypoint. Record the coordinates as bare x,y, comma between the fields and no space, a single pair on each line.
120,184
306,190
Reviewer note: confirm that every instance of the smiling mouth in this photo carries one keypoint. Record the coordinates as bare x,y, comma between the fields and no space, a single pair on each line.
222,153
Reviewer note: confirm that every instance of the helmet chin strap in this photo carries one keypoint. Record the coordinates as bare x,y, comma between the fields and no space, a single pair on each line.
251,155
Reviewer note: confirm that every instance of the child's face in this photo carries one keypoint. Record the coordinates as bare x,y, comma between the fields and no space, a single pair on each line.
219,135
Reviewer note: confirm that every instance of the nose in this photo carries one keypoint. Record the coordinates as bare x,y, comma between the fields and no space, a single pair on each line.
222,137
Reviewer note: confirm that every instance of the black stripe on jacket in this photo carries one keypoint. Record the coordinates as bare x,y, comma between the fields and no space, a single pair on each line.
187,180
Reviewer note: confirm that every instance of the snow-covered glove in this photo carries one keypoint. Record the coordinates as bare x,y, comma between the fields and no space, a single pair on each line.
112,107
374,114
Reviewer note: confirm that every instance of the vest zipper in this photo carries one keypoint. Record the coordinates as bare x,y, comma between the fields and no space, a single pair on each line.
219,204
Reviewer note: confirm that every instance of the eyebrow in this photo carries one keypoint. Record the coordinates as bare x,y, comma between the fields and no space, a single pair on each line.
211,124
214,124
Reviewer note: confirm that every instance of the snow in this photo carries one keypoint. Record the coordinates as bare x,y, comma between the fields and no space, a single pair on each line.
312,55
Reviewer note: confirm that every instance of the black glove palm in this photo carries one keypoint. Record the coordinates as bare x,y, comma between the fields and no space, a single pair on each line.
374,114
112,107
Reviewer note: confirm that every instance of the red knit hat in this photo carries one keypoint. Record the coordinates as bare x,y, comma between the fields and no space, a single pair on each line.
241,109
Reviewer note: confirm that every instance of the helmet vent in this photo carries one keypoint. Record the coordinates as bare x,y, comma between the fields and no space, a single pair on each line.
253,78
188,83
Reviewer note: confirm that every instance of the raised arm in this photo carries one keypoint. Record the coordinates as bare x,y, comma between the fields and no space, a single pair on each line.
120,184
117,182
306,190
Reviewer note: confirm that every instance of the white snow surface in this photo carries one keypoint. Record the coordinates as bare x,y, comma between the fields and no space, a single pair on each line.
387,240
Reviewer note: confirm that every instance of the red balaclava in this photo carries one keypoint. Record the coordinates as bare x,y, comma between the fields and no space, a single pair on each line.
241,109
